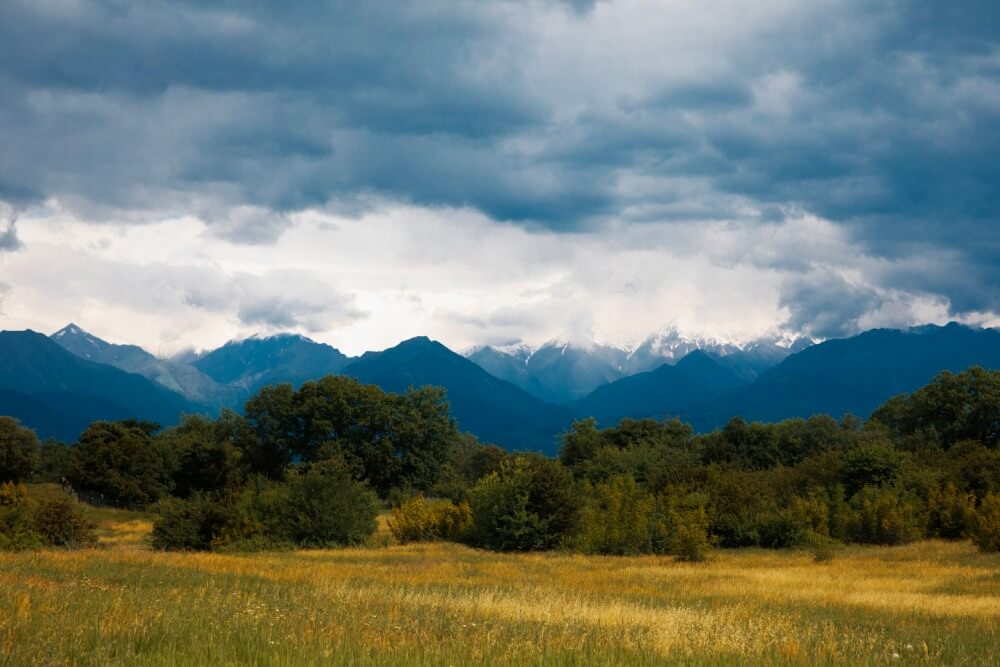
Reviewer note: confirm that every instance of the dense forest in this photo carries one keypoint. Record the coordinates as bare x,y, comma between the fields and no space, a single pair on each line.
313,466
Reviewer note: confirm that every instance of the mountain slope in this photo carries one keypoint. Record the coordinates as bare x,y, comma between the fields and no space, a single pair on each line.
175,376
563,373
491,408
58,392
749,359
556,372
668,391
258,361
855,374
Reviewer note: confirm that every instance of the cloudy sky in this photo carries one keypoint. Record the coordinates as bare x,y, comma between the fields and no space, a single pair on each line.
176,173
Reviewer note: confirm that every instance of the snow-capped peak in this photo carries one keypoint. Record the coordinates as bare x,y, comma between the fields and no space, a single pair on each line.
71,330
281,336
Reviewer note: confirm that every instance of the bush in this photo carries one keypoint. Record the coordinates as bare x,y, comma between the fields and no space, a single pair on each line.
116,463
420,520
621,518
885,516
687,529
16,525
823,548
28,524
781,529
61,522
986,526
805,520
316,507
19,451
529,504
618,517
325,507
950,513
876,464
194,524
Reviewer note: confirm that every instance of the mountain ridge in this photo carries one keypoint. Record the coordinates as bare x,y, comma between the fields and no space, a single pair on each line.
491,408
62,392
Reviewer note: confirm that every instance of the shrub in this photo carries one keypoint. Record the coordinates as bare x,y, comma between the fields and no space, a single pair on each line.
19,451
688,530
529,504
802,522
950,513
116,463
28,524
618,517
16,509
885,516
986,526
420,520
783,528
501,519
61,522
877,464
325,507
194,524
316,506
738,499
823,548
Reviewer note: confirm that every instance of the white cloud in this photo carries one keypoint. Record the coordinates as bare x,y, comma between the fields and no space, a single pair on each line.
397,271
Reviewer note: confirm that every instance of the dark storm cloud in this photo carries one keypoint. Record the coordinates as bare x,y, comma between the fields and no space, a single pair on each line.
8,237
283,312
279,300
825,305
883,118
8,228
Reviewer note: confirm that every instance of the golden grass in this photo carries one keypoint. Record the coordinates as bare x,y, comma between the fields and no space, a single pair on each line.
931,602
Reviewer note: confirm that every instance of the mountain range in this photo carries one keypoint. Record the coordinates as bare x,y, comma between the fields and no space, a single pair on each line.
58,393
515,396
564,372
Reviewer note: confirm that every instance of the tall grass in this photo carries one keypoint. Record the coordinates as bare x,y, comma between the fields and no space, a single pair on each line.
443,604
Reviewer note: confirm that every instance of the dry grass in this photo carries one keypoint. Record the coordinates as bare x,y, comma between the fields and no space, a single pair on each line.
932,602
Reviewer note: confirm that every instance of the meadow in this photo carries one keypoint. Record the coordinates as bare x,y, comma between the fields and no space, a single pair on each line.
445,604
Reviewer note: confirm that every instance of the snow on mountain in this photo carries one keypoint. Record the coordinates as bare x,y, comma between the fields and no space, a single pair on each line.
562,371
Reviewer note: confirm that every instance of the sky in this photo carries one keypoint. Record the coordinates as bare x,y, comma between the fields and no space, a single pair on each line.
177,174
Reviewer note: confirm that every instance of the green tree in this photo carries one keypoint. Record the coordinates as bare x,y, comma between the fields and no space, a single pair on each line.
529,504
326,507
116,463
388,440
950,512
275,441
872,464
951,408
618,517
202,456
885,516
986,527
19,451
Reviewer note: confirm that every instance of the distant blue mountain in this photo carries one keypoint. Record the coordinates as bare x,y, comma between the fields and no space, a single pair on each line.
555,372
58,393
180,377
669,391
565,372
854,374
494,410
262,360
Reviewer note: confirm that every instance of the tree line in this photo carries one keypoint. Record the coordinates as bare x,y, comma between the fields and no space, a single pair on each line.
313,466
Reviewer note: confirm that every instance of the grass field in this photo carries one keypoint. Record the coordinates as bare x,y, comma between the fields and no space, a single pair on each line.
444,604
